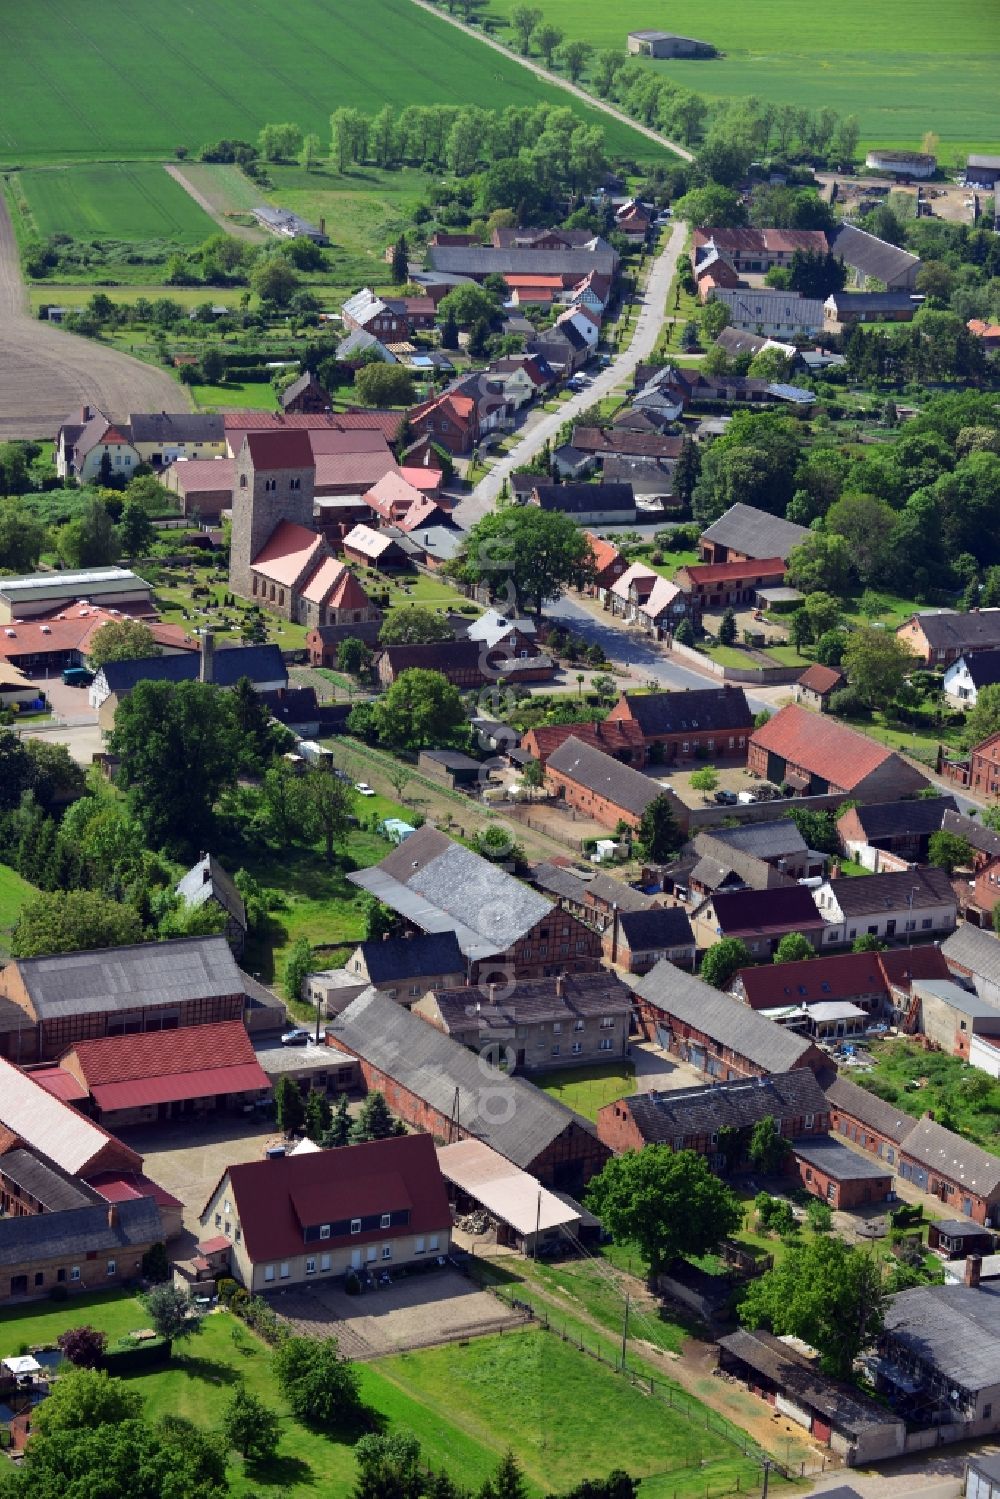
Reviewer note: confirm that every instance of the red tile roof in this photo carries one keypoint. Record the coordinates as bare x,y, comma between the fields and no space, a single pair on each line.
904,964
178,1087
205,474
427,480
126,1187
812,980
74,628
821,746
755,241
272,450
604,552
61,1084
819,678
323,579
276,1200
216,1245
733,572
116,1059
287,552
392,495
612,736
758,913
348,593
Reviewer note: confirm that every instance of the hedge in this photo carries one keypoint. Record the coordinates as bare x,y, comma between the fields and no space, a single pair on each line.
135,1357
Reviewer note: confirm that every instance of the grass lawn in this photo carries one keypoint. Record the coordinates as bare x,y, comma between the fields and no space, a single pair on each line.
64,294
919,742
287,63
952,1088
672,561
787,655
14,893
365,209
936,73
114,200
239,397
587,1089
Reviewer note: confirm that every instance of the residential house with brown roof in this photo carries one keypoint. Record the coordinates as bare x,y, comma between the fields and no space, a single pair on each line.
941,637
679,725
622,740
853,978
609,564
302,1218
757,250
760,918
817,756
816,685
718,585
465,663
903,829
305,394
572,1020
599,786
450,420
899,907
646,598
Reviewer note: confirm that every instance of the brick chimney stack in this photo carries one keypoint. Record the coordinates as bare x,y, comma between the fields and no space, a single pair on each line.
112,1215
560,986
206,669
973,1269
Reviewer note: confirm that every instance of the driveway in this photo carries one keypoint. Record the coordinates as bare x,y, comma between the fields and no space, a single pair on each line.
543,427
83,739
46,374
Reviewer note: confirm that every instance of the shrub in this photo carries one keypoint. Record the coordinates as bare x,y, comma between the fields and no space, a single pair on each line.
227,1289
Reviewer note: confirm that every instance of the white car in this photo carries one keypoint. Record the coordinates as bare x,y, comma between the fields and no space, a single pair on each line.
363,788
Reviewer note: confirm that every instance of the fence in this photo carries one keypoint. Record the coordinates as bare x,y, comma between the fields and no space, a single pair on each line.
754,676
668,1393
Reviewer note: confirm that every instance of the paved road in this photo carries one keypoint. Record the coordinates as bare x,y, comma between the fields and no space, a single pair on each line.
46,373
557,81
543,426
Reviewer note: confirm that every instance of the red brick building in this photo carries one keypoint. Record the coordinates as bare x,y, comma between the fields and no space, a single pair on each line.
678,725
714,585
609,564
838,1176
817,757
867,1120
465,663
965,1178
600,786
620,739
980,771
449,420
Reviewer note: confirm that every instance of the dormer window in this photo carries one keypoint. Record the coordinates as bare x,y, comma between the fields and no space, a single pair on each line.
324,1230
355,1225
386,1220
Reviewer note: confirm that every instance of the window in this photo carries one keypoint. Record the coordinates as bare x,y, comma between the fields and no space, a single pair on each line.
557,1024
987,1410
324,1230
268,1272
387,1251
386,1220
578,1025
61,1275
371,1253
239,1234
576,1048
310,1264
39,1278
606,1043
809,1120
420,1245
225,1206
809,1175
414,988
434,1241
284,1271
355,1225
926,924
831,1192
324,1262
607,1022
911,926
555,1051
218,1220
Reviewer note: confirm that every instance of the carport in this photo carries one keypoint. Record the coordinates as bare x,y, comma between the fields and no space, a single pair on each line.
527,1215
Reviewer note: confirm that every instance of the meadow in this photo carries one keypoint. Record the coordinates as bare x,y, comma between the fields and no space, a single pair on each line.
133,78
14,893
113,200
901,70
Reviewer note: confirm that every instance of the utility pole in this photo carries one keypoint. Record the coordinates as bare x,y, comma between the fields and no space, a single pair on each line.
625,1330
768,1464
538,1225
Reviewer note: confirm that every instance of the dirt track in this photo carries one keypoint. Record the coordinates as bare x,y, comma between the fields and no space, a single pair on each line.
238,231
46,373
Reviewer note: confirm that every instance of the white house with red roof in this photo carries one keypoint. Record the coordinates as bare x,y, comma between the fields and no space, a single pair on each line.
312,1216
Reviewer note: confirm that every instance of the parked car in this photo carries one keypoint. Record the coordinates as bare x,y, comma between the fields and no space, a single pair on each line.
726,798
77,676
363,788
296,1037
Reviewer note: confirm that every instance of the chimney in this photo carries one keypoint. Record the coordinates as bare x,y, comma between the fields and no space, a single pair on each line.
560,986
322,226
973,1269
113,1217
493,994
206,671
614,933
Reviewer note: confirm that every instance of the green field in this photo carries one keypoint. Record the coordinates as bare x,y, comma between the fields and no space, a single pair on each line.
133,78
587,1089
114,200
902,70
14,893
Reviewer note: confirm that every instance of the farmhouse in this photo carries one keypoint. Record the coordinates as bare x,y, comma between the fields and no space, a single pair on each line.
771,313
942,636
691,1118
537,1024
745,534
466,663
755,250
980,768
844,309
203,486
716,585
598,785
667,44
49,643
817,756
839,1176
305,394
939,1356
760,918
504,929
965,678
869,1121
207,884
436,1084
288,225
588,504
874,259
894,907
714,1032
816,685
900,828
401,968
676,725
852,1425
261,665
299,1217
623,741
635,941
847,978
778,843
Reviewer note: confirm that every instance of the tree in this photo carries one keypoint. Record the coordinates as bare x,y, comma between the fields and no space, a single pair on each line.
280,142
320,1386
818,829
171,1460
712,204
90,540
684,634
327,805
526,555
829,1293
507,1482
723,960
867,525
983,718
727,628
55,777
383,385
374,1121
876,663
400,260
949,852
289,1110
250,1427
794,948
421,708
83,1399
339,1132
415,625
829,648
668,1202
768,1147
274,280
122,640
867,942
822,611
547,39
389,1466
298,964
574,57
135,530
353,656
178,748
171,1311
820,564
22,538
72,920
83,1346
318,1115
523,20
706,779
658,835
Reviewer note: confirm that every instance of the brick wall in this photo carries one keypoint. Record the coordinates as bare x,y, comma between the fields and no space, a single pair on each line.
841,1195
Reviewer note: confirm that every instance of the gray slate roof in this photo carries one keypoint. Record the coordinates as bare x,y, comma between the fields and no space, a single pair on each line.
177,426
884,892
974,949
616,893
837,1161
954,1328
129,978
946,629
843,1405
479,260
921,815
207,880
746,529
664,926
441,886
723,1019
559,882
870,255
765,840
432,1066
261,663
412,957
530,1001
869,1109
665,1117
77,1231
930,1144
582,499
983,667
42,1179
871,301
705,708
604,775
953,995
982,838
